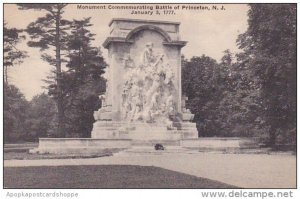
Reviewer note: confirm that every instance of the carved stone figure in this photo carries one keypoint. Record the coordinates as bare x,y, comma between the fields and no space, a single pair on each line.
148,88
147,56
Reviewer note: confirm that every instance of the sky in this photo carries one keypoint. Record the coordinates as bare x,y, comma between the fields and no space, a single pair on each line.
206,31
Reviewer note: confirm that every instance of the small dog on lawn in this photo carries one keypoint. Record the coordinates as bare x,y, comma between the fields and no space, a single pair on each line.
159,147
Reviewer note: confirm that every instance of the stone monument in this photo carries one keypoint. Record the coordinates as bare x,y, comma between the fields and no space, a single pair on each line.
143,100
143,104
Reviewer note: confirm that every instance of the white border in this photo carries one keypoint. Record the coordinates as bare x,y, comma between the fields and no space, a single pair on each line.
134,193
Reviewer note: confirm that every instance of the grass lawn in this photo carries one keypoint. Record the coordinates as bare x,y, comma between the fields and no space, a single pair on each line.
103,176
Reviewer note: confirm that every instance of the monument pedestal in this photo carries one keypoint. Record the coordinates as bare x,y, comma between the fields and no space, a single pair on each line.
143,131
96,146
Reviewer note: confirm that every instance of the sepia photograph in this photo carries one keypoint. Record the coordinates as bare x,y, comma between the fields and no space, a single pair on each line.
150,96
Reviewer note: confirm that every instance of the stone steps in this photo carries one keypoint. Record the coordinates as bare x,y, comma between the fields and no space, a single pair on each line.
148,150
153,142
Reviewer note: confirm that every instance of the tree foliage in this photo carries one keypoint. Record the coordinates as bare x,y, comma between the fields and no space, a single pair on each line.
200,87
75,90
82,82
41,117
12,55
50,33
15,109
28,120
269,47
252,93
222,95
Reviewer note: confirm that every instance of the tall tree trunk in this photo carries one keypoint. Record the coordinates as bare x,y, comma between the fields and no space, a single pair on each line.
60,108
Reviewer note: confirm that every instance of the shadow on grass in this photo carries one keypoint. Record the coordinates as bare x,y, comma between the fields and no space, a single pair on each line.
103,176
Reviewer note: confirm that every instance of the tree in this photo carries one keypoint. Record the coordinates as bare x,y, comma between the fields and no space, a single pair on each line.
14,109
199,85
50,32
41,118
223,97
269,46
240,105
82,83
12,55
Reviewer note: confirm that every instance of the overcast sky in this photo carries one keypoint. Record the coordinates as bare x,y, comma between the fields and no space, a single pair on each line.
207,32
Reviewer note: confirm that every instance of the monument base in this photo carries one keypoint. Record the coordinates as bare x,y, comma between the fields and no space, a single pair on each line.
79,145
120,135
96,146
143,131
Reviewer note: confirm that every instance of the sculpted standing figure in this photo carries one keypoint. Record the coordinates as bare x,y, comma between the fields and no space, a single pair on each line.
148,56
